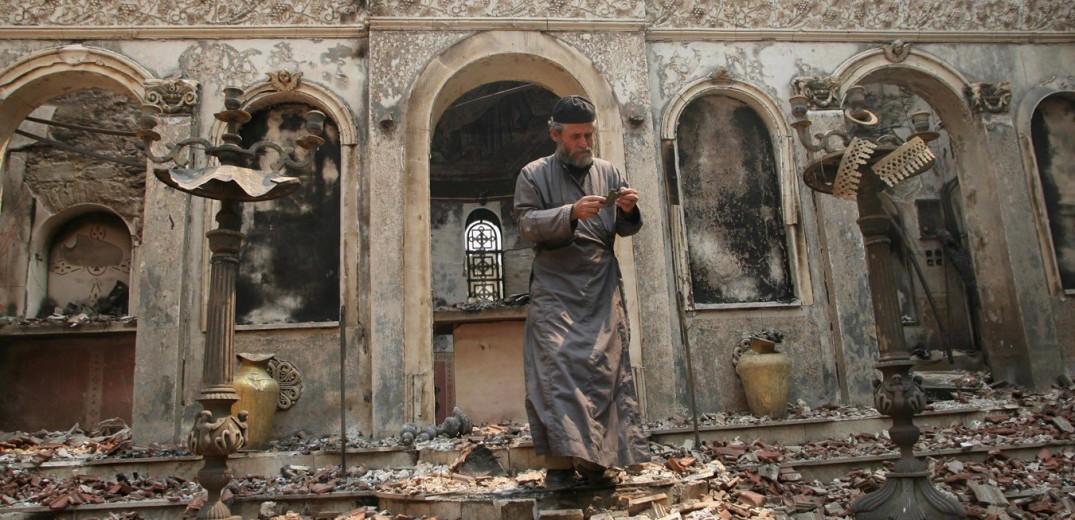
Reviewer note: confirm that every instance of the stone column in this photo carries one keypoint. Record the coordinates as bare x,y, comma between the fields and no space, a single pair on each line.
160,305
1041,349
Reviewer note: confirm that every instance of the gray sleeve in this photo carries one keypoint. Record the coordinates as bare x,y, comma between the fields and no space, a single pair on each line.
543,226
627,224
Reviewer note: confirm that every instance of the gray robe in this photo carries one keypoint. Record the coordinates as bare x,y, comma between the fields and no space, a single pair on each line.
580,392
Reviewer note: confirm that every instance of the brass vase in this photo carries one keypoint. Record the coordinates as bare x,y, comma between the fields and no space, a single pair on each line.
259,393
763,373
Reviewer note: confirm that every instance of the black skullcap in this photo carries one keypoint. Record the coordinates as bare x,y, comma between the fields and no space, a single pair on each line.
574,109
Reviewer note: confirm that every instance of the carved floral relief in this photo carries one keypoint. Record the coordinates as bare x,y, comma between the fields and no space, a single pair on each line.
993,98
866,15
179,12
509,8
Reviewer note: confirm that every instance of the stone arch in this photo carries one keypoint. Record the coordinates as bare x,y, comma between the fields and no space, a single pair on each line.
1024,114
479,59
938,83
41,240
48,73
942,87
45,74
263,94
764,104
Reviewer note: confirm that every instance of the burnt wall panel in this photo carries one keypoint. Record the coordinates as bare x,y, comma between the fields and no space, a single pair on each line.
1053,133
731,205
54,383
290,262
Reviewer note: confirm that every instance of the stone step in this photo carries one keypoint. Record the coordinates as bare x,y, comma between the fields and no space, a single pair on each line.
795,432
507,504
520,457
515,503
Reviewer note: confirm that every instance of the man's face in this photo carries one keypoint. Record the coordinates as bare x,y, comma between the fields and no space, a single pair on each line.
574,143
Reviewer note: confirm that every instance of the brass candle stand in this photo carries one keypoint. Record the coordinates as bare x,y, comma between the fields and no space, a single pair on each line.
216,433
858,166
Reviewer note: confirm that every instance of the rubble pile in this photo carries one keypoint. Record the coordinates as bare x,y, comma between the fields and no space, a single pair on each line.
70,317
20,487
109,439
738,479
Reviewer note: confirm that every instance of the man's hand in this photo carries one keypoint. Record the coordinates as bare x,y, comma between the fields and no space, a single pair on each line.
628,199
587,207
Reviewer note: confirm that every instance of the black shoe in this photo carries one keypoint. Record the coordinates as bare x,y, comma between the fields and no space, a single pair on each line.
600,478
559,478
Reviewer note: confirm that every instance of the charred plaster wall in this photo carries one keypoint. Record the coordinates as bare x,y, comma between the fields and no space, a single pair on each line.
714,333
170,355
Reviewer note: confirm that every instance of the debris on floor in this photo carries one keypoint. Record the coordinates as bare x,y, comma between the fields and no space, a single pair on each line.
739,479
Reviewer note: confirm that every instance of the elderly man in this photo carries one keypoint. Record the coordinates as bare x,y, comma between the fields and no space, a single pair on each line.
580,392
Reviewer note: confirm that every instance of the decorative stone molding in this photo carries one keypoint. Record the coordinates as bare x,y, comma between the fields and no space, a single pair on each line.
285,373
172,96
897,51
993,98
509,8
721,75
178,12
283,80
821,92
859,15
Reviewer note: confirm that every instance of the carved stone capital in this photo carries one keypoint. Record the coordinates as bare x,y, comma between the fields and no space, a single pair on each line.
820,91
217,437
290,380
172,96
284,81
993,98
897,51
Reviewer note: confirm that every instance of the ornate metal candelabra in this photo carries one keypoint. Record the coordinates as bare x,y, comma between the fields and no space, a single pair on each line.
858,167
216,433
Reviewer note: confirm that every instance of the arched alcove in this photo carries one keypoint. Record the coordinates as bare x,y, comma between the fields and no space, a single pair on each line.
984,248
771,145
89,265
79,234
1052,135
481,59
291,253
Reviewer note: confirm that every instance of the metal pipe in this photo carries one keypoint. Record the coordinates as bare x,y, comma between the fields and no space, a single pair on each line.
343,388
75,149
668,153
72,126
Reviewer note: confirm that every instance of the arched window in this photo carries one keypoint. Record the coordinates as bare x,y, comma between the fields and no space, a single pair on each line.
485,255
737,251
1052,130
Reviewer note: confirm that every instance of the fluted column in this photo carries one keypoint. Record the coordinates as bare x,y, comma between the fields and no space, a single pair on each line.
216,433
908,492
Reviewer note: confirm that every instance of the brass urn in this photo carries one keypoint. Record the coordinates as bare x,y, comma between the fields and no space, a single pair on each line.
763,373
259,393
